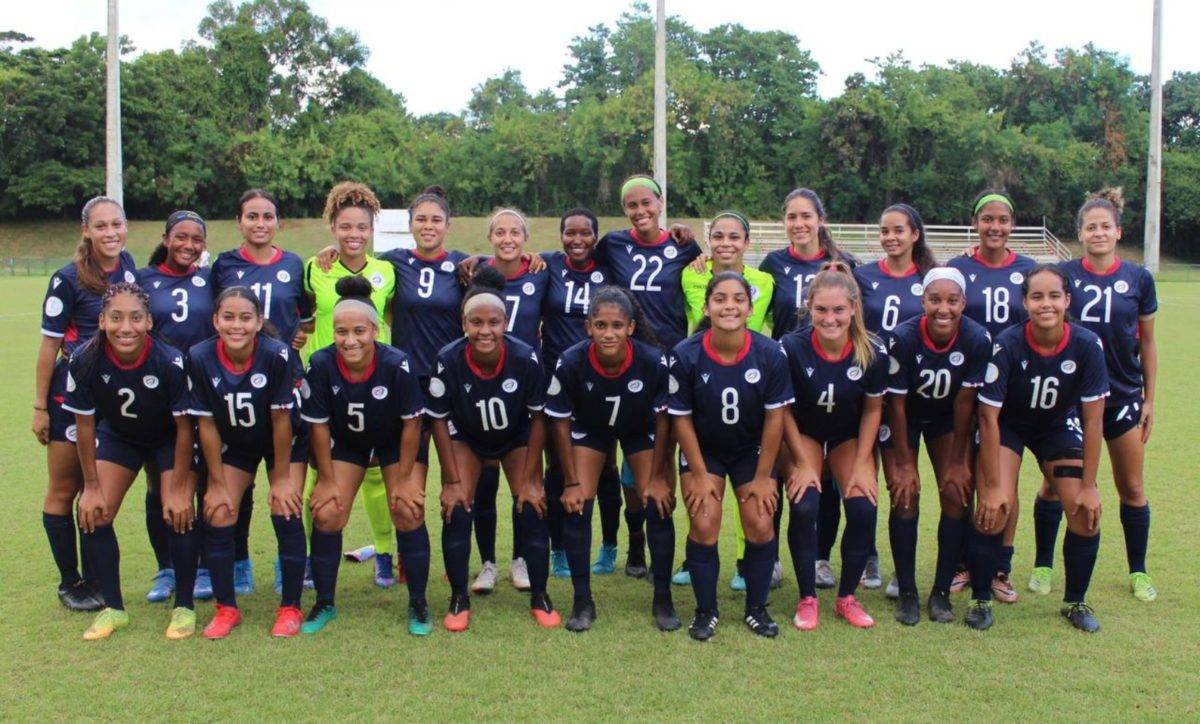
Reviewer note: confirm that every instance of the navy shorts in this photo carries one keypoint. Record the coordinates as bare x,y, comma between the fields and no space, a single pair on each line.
1121,417
929,429
131,455
605,441
381,456
301,442
830,439
62,423
1061,440
490,450
738,467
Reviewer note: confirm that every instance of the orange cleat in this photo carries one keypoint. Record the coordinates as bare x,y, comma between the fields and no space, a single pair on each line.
808,614
458,618
224,621
849,608
287,622
543,611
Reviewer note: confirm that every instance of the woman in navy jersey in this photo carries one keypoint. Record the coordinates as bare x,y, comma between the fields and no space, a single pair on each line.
1116,299
70,317
1044,390
365,411
486,395
243,393
729,390
181,304
137,388
938,362
839,373
620,363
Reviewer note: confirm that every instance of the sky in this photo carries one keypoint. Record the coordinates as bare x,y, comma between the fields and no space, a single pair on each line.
435,53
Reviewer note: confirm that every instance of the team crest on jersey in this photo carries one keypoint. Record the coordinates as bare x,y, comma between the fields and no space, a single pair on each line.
1068,366
105,378
597,277
54,306
1016,277
634,386
437,388
157,285
704,376
376,280
379,392
129,277
577,435
752,375
893,365
150,381
447,266
527,288
672,384
885,433
992,374
198,281
1121,286
670,252
305,390
283,276
240,274
510,385
855,373
555,386
956,359
917,289
808,371
70,382
258,380
73,433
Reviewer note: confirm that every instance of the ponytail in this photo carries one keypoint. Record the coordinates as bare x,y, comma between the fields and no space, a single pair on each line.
88,271
837,275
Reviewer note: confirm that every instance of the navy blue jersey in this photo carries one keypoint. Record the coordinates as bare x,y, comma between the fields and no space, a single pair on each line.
72,312
623,403
830,390
426,307
1110,304
792,274
181,305
364,412
278,284
888,300
653,273
240,403
994,292
523,295
931,376
565,306
728,402
493,409
1037,391
137,401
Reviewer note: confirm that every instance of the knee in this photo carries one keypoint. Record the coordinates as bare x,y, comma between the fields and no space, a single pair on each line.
1131,491
759,529
909,511
1047,491
808,507
406,520
62,492
952,503
705,531
327,520
220,518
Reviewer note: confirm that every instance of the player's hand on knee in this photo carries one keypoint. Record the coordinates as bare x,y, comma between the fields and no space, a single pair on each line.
661,495
573,498
1087,506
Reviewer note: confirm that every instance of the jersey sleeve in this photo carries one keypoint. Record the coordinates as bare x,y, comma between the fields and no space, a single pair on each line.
875,381
1094,383
437,401
693,285
214,277
1148,299
78,398
412,399
661,383
899,364
558,397
688,252
995,377
778,391
177,386
198,402
977,361
535,382
306,306
679,385
281,381
317,408
56,311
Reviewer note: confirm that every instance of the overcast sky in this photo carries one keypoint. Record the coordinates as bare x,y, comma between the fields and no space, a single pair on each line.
435,52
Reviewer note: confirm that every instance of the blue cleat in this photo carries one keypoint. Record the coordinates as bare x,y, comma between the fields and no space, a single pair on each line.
418,618
243,577
202,591
320,615
606,562
384,575
163,586
558,564
737,583
682,577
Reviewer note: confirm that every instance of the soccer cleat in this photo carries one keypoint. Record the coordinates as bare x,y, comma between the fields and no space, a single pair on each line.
808,614
318,617
893,589
738,582
849,608
78,597
360,555
825,577
243,577
682,577
558,564
663,610
1041,580
606,562
518,574
458,617
543,611
1002,589
288,620
107,621
940,610
1081,616
162,587
703,626
908,609
418,618
224,620
635,562
760,622
979,615
485,582
202,591
183,623
870,576
383,570
583,613
1141,586
962,579
777,575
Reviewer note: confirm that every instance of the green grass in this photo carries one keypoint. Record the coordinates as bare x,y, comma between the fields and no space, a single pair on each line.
1144,663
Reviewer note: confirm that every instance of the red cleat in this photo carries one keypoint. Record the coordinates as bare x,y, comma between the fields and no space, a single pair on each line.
458,618
224,620
808,614
287,622
849,608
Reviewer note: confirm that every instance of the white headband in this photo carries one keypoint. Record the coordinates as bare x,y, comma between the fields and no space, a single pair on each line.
351,305
945,272
480,300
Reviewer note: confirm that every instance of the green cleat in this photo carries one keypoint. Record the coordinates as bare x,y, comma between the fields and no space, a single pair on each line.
320,615
1143,589
107,621
1039,581
418,618
183,623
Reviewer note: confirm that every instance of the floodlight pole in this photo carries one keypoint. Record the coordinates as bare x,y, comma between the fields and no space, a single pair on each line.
114,179
660,106
1154,155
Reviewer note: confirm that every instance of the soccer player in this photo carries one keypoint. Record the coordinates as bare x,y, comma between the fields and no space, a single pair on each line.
137,388
729,390
70,317
243,393
1044,390
365,412
938,362
1116,299
621,364
486,395
839,373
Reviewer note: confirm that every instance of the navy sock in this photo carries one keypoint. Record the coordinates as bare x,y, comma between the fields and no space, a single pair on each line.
156,530
484,511
325,550
608,495
456,549
1047,514
1136,523
185,556
802,540
101,545
241,542
759,563
983,552
828,519
705,566
289,535
902,533
781,489
60,531
577,541
856,542
518,541
951,536
635,521
660,534
535,548
1079,558
413,546
1004,564
553,482
218,546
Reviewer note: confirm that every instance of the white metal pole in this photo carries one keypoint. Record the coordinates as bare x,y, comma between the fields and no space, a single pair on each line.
114,179
660,105
1154,156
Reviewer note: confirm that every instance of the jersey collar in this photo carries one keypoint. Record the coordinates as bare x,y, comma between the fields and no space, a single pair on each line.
663,235
228,364
479,372
595,361
349,376
273,260
164,269
816,345
429,259
929,340
1008,260
591,264
141,359
1107,272
883,267
1057,350
800,257
706,342
520,272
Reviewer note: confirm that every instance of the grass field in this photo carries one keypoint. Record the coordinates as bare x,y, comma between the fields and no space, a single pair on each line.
1145,663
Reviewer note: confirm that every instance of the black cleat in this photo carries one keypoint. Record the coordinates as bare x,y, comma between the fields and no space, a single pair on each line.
759,621
940,610
78,597
635,563
979,615
94,589
665,617
908,608
583,613
1081,617
703,626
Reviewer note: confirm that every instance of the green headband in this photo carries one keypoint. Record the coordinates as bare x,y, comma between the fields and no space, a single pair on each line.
733,215
989,199
641,181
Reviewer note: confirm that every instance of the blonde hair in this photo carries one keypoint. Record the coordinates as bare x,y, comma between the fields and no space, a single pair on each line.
837,275
1110,198
510,211
349,194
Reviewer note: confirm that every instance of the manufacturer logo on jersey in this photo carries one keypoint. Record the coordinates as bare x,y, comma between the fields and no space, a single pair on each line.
1016,277
258,380
1078,282
510,385
404,366
1121,286
437,388
336,389
379,392
150,381
670,252
996,349
787,270
129,277
577,435
634,386
198,281
588,385
54,306
808,371
874,285
241,274
72,433
704,376
453,429
283,276
972,277
956,359
672,384
992,374
597,277
157,285
555,386
70,382
527,288
1068,366
467,387
1024,364
106,378
854,373
447,266
885,433
55,282
752,375
629,248
216,382
917,289
284,354
753,294
919,358
376,280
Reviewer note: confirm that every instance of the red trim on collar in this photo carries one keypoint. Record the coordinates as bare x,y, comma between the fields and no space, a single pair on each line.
800,257
164,269
663,235
591,264
273,260
228,364
420,257
349,376
816,344
520,272
1057,349
141,359
480,373
1107,272
1008,260
595,361
911,271
706,343
924,325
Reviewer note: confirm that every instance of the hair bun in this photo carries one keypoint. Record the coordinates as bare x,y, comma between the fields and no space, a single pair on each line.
434,190
489,278
353,287
1114,195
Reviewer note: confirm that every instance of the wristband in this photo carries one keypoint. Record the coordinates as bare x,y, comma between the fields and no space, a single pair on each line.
575,484
41,409
451,482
